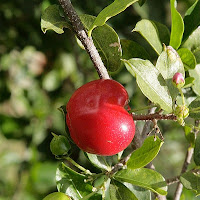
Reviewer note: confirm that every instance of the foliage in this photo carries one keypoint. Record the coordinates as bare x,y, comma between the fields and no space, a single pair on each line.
38,74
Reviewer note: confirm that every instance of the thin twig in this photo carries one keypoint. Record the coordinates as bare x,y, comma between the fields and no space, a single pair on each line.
154,116
87,42
187,161
176,179
147,124
173,180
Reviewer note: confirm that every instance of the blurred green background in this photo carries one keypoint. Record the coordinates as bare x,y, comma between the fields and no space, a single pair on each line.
38,74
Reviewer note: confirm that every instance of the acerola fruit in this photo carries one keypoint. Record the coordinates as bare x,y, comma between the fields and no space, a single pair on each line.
56,196
97,119
59,145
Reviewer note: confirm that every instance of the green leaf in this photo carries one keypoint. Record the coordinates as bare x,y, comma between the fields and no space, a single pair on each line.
98,161
118,191
163,32
64,112
73,184
106,191
143,177
139,192
150,81
52,20
189,82
177,26
145,154
193,44
197,151
141,2
168,64
56,196
131,49
191,181
187,58
108,47
191,19
100,180
153,33
189,134
113,9
195,73
194,108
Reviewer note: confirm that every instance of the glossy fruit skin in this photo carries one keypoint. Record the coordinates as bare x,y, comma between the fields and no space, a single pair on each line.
97,119
56,196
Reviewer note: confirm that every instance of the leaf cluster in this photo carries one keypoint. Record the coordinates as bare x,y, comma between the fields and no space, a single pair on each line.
177,50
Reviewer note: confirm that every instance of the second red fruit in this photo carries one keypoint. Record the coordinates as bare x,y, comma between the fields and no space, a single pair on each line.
97,119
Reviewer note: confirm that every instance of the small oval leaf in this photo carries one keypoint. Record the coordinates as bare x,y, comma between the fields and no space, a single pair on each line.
177,26
189,134
191,19
145,154
150,81
73,183
143,177
193,44
98,161
168,64
107,43
150,33
131,49
194,108
191,181
187,58
113,9
195,73
139,192
52,20
118,191
189,81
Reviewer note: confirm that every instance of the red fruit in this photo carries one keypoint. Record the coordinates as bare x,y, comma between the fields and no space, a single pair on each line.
97,119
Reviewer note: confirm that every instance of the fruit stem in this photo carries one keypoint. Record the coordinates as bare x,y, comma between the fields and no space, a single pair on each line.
182,96
86,171
89,195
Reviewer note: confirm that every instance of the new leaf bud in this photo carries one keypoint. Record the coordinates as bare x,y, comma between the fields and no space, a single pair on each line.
178,80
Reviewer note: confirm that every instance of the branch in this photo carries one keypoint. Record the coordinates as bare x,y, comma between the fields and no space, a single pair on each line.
187,161
151,117
173,180
87,42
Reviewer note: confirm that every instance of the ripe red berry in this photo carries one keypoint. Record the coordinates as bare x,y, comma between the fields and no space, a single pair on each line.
97,119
